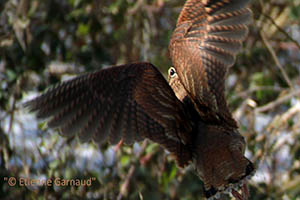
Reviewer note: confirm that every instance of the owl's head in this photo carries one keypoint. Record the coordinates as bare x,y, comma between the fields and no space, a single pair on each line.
176,84
219,159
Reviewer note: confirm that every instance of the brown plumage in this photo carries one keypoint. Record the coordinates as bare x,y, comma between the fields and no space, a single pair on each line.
189,116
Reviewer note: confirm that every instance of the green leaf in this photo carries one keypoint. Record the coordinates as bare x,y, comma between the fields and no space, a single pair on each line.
42,125
125,160
295,12
54,164
68,173
173,172
83,29
11,75
151,148
75,3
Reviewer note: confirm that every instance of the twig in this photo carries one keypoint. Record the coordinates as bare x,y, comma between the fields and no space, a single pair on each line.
280,121
136,7
281,29
141,196
12,115
125,185
290,185
277,102
271,50
290,113
246,93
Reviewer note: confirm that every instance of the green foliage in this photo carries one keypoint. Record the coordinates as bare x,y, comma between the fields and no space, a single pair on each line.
295,9
260,79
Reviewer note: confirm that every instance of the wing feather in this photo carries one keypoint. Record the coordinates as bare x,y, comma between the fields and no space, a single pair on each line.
208,35
129,102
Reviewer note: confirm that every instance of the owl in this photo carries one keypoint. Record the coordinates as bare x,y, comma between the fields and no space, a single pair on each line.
187,115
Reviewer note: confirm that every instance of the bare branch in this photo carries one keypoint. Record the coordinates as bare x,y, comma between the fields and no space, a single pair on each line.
274,56
281,30
277,102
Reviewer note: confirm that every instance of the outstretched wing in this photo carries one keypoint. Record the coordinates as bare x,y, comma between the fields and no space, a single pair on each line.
208,35
129,102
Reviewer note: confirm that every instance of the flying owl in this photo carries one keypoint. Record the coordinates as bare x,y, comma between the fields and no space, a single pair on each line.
188,115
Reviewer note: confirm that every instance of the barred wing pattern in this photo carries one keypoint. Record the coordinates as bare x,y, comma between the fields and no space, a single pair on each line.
129,102
208,36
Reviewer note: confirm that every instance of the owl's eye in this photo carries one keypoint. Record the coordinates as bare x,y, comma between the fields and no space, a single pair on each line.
172,72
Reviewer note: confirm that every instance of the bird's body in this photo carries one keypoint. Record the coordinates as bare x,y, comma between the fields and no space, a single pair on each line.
188,116
211,141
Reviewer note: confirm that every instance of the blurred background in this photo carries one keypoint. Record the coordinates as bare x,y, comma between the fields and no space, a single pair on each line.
44,42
